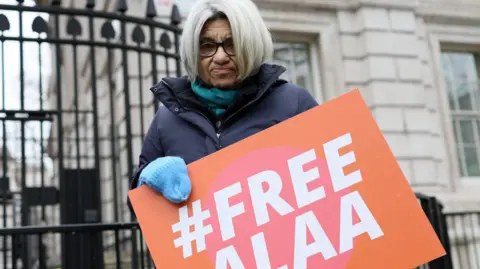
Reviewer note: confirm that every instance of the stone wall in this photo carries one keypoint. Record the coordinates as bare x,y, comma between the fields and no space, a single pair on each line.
386,55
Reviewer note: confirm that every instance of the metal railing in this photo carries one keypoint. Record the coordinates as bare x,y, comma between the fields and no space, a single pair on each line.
433,209
464,234
116,249
459,233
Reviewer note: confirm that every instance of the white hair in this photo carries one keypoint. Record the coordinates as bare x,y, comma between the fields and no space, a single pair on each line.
252,39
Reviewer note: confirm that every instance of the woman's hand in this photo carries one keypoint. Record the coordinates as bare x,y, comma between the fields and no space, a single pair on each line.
168,176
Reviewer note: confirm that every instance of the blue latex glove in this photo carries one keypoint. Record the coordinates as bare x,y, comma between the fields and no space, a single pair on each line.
168,176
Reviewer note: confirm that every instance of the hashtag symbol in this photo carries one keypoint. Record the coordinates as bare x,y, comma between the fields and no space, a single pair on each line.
199,232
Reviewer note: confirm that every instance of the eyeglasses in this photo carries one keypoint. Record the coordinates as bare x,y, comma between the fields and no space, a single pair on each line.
209,48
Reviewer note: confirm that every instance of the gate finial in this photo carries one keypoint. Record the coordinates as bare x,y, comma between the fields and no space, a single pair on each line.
122,6
175,17
90,4
151,10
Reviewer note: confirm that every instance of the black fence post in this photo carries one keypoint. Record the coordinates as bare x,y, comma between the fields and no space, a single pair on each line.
434,211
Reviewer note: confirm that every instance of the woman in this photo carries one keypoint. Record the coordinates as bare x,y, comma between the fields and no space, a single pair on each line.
230,93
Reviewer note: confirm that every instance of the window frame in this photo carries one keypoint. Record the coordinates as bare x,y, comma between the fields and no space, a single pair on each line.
461,38
458,115
314,61
319,27
463,115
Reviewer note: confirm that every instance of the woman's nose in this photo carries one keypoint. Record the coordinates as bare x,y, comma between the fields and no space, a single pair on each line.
220,55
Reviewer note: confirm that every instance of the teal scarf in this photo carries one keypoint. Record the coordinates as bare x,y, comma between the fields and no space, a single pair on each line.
217,100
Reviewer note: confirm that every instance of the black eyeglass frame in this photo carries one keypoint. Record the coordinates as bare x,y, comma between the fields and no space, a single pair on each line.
217,44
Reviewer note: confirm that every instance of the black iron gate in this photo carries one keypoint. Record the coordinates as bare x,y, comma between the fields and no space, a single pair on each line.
74,107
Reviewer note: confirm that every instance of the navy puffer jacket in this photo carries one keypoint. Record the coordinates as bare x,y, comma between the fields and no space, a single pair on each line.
184,127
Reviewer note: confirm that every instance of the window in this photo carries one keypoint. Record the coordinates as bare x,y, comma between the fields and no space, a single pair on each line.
462,78
296,58
299,54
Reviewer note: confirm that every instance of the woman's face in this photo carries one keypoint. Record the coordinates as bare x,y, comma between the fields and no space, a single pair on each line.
217,63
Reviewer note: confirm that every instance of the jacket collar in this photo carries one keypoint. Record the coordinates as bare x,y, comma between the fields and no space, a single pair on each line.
176,93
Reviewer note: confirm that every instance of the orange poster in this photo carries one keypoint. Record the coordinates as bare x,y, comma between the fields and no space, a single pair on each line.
321,190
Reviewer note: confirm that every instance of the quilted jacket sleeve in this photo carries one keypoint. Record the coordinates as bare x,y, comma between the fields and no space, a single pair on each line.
151,150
